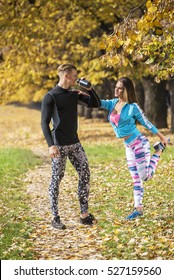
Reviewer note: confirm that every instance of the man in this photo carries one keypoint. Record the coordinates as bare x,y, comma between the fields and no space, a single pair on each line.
60,106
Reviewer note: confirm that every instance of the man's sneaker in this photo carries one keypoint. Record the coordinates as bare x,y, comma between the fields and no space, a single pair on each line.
158,146
134,214
56,223
89,220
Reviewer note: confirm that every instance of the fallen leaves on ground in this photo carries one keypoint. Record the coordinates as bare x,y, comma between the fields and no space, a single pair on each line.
76,241
151,237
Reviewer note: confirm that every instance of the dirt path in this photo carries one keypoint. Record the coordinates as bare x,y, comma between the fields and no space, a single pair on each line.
77,242
20,127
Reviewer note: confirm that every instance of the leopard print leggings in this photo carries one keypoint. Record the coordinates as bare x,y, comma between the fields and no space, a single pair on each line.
78,158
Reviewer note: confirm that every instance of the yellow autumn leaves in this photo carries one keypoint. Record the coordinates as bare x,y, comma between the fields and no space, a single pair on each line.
146,39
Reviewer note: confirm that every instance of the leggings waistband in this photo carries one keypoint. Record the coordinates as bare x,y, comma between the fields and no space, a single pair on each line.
131,138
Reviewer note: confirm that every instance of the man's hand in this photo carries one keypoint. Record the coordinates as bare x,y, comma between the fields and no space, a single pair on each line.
83,93
54,151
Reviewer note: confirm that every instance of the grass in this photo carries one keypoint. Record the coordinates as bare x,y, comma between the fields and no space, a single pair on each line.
111,200
146,238
111,191
15,229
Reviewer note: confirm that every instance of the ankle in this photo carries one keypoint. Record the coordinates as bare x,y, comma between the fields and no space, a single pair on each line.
159,153
139,208
84,215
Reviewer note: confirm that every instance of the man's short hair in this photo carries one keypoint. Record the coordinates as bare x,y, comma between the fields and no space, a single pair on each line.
66,68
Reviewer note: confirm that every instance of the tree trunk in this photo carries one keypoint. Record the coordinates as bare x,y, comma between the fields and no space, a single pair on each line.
85,112
107,89
88,113
139,93
81,110
155,106
170,87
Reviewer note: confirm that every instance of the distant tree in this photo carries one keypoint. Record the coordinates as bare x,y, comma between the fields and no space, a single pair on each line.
38,35
170,87
142,47
144,42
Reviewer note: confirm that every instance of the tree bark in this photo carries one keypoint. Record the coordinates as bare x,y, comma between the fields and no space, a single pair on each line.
155,105
88,113
139,93
81,110
170,87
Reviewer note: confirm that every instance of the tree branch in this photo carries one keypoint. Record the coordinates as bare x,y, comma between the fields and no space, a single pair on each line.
134,9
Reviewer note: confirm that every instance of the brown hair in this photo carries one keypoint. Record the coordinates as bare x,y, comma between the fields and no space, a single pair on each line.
66,67
129,86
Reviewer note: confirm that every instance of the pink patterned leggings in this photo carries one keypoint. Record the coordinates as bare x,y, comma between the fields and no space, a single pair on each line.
141,165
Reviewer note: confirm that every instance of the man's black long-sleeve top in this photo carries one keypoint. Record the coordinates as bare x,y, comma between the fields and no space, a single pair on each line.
60,106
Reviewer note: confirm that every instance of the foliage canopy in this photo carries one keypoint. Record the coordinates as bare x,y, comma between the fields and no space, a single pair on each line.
36,36
146,43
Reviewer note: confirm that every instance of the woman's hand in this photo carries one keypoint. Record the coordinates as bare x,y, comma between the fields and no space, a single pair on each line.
163,139
87,88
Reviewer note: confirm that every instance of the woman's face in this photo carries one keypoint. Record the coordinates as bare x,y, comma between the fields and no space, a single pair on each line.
120,91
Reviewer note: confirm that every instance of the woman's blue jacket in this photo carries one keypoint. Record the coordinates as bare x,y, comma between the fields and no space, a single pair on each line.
128,116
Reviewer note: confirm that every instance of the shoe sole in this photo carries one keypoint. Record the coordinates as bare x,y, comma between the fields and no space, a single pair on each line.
89,224
58,227
129,219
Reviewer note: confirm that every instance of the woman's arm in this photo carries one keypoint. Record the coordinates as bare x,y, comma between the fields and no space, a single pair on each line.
146,123
91,99
108,104
163,139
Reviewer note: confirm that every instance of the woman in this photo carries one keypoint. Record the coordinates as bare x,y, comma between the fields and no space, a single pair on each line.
123,114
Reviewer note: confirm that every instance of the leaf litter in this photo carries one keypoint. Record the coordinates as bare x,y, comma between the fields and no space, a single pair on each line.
76,241
114,239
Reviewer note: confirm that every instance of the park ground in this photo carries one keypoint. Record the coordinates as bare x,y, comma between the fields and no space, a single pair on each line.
151,237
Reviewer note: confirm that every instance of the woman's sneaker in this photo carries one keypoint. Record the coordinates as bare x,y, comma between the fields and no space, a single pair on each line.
135,214
89,220
158,146
56,223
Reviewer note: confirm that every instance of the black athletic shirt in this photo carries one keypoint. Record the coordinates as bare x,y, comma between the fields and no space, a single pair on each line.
60,106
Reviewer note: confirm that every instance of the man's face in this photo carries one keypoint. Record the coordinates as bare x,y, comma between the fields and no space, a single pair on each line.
72,77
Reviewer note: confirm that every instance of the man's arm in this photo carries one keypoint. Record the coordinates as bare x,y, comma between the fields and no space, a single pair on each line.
46,114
